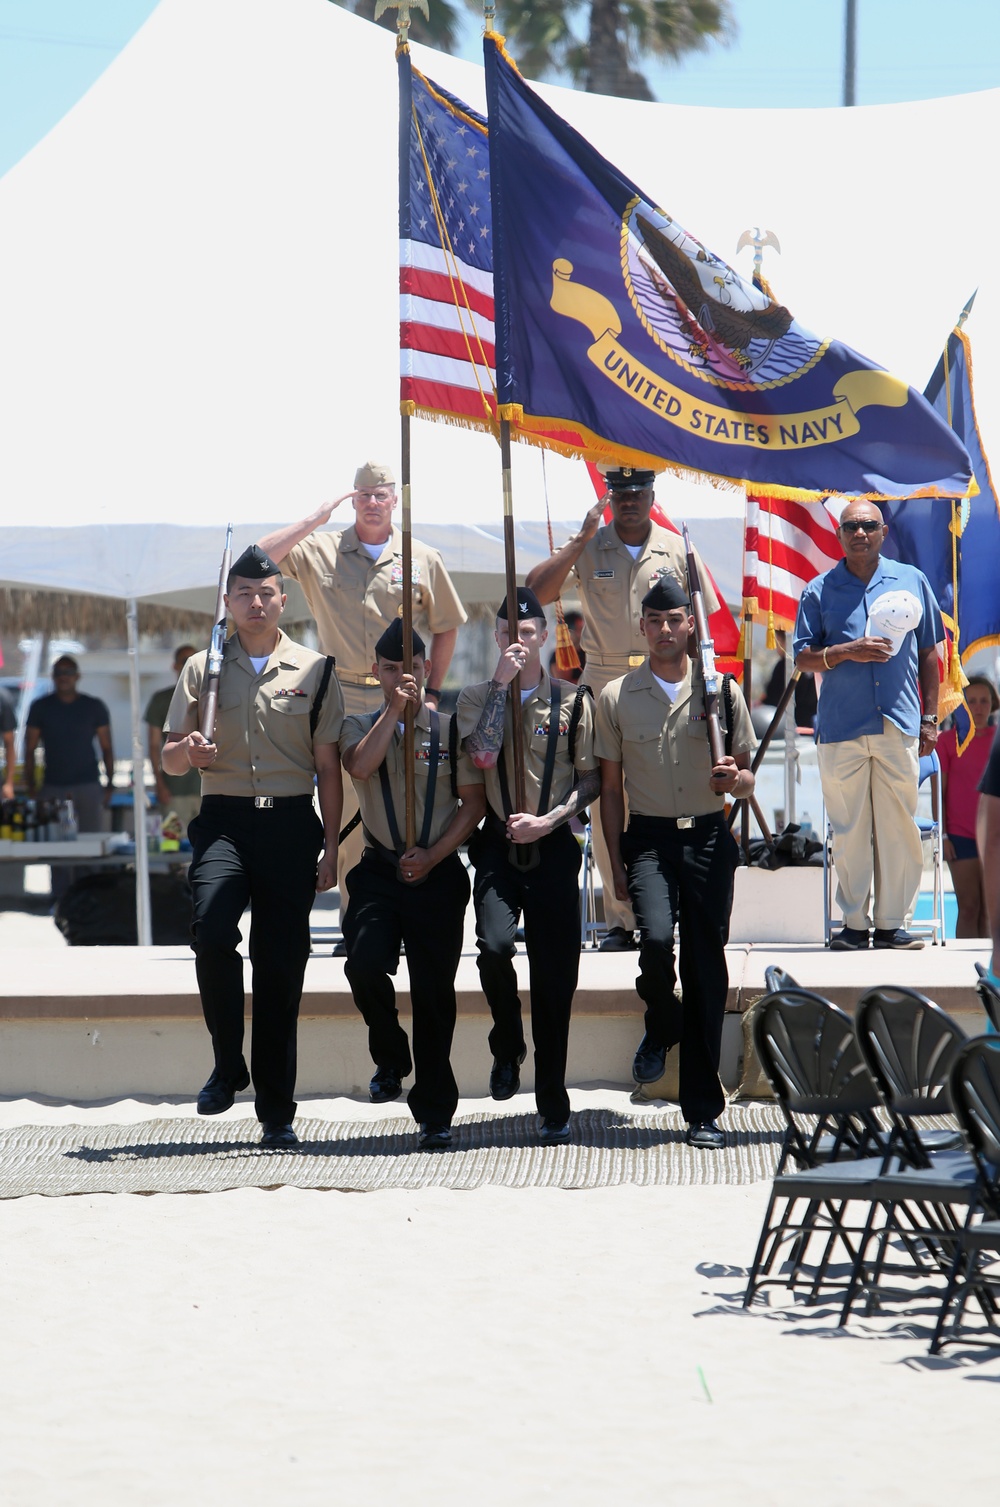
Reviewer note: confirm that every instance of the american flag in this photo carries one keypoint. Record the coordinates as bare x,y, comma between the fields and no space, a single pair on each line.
787,544
446,335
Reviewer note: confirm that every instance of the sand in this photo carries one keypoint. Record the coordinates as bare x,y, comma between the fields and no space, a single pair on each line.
498,1346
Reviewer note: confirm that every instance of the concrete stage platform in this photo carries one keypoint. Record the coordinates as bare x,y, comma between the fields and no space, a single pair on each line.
96,1023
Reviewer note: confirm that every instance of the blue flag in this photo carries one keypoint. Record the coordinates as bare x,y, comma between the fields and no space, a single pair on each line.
614,322
950,393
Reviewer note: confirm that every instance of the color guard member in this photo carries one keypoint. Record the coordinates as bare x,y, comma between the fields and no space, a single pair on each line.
416,896
677,857
614,565
529,860
353,582
257,838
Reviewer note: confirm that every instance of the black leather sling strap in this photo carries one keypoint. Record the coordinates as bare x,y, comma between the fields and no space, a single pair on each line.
551,749
390,810
317,705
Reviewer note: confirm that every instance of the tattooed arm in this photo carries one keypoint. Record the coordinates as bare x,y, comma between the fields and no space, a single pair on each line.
524,828
486,739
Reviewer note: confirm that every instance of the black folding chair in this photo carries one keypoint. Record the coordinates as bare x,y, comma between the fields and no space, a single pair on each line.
809,1053
909,1045
989,994
776,978
975,1092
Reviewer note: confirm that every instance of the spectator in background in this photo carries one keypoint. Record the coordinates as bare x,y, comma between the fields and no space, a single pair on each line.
871,627
66,724
8,727
960,776
804,698
180,793
988,841
574,622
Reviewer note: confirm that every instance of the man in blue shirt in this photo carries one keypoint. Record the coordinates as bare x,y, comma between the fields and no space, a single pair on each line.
870,730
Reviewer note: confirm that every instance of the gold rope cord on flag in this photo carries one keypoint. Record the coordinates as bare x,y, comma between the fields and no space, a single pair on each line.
455,276
952,693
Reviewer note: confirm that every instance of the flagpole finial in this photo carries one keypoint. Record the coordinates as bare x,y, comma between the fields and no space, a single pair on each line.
402,9
489,16
758,239
966,311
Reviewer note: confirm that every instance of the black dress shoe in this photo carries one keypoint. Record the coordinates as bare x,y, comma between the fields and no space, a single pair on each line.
618,940
554,1132
386,1085
897,939
434,1138
706,1135
850,939
650,1062
505,1079
274,1134
218,1094
340,951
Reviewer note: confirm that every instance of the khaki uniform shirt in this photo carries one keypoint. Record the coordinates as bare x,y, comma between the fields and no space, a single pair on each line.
663,749
612,586
354,598
535,716
262,726
373,813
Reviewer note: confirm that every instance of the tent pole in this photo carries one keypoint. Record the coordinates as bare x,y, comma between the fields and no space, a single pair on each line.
143,913
409,787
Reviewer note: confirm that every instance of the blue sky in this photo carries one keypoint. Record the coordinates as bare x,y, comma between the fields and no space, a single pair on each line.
787,53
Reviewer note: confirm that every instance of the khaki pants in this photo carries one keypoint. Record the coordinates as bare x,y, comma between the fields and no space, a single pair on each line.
615,912
870,790
186,807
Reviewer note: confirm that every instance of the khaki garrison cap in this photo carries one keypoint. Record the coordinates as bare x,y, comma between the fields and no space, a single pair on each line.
373,474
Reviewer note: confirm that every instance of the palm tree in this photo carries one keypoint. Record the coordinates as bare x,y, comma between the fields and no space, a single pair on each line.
546,36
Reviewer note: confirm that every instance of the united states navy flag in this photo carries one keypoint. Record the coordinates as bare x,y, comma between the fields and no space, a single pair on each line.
614,321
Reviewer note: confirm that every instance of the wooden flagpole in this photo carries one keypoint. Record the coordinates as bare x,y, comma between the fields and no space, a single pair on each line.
511,572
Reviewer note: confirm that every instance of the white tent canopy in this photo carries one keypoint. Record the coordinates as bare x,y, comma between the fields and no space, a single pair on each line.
199,267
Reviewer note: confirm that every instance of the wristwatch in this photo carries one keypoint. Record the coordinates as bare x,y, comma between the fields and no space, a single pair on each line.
928,718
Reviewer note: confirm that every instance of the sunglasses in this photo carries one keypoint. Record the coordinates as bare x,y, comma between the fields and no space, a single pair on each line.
866,525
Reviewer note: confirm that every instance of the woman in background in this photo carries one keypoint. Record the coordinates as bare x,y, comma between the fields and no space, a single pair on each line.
960,778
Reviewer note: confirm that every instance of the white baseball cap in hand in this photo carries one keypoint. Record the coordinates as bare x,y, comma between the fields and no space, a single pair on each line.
893,615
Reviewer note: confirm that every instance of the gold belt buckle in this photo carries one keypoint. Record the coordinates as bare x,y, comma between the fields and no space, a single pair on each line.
635,660
371,680
263,802
684,823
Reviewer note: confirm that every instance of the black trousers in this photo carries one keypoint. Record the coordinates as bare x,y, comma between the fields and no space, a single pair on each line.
684,877
549,897
266,858
428,919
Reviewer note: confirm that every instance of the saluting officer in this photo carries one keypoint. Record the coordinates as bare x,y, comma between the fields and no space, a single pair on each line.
416,896
257,838
353,582
677,857
529,860
614,565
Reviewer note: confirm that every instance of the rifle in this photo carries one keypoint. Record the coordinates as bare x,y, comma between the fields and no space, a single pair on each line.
706,653
217,647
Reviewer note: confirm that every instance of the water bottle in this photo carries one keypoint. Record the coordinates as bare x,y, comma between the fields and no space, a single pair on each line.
68,824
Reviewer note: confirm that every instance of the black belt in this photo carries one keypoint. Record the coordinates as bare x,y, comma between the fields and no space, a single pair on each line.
679,823
256,802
